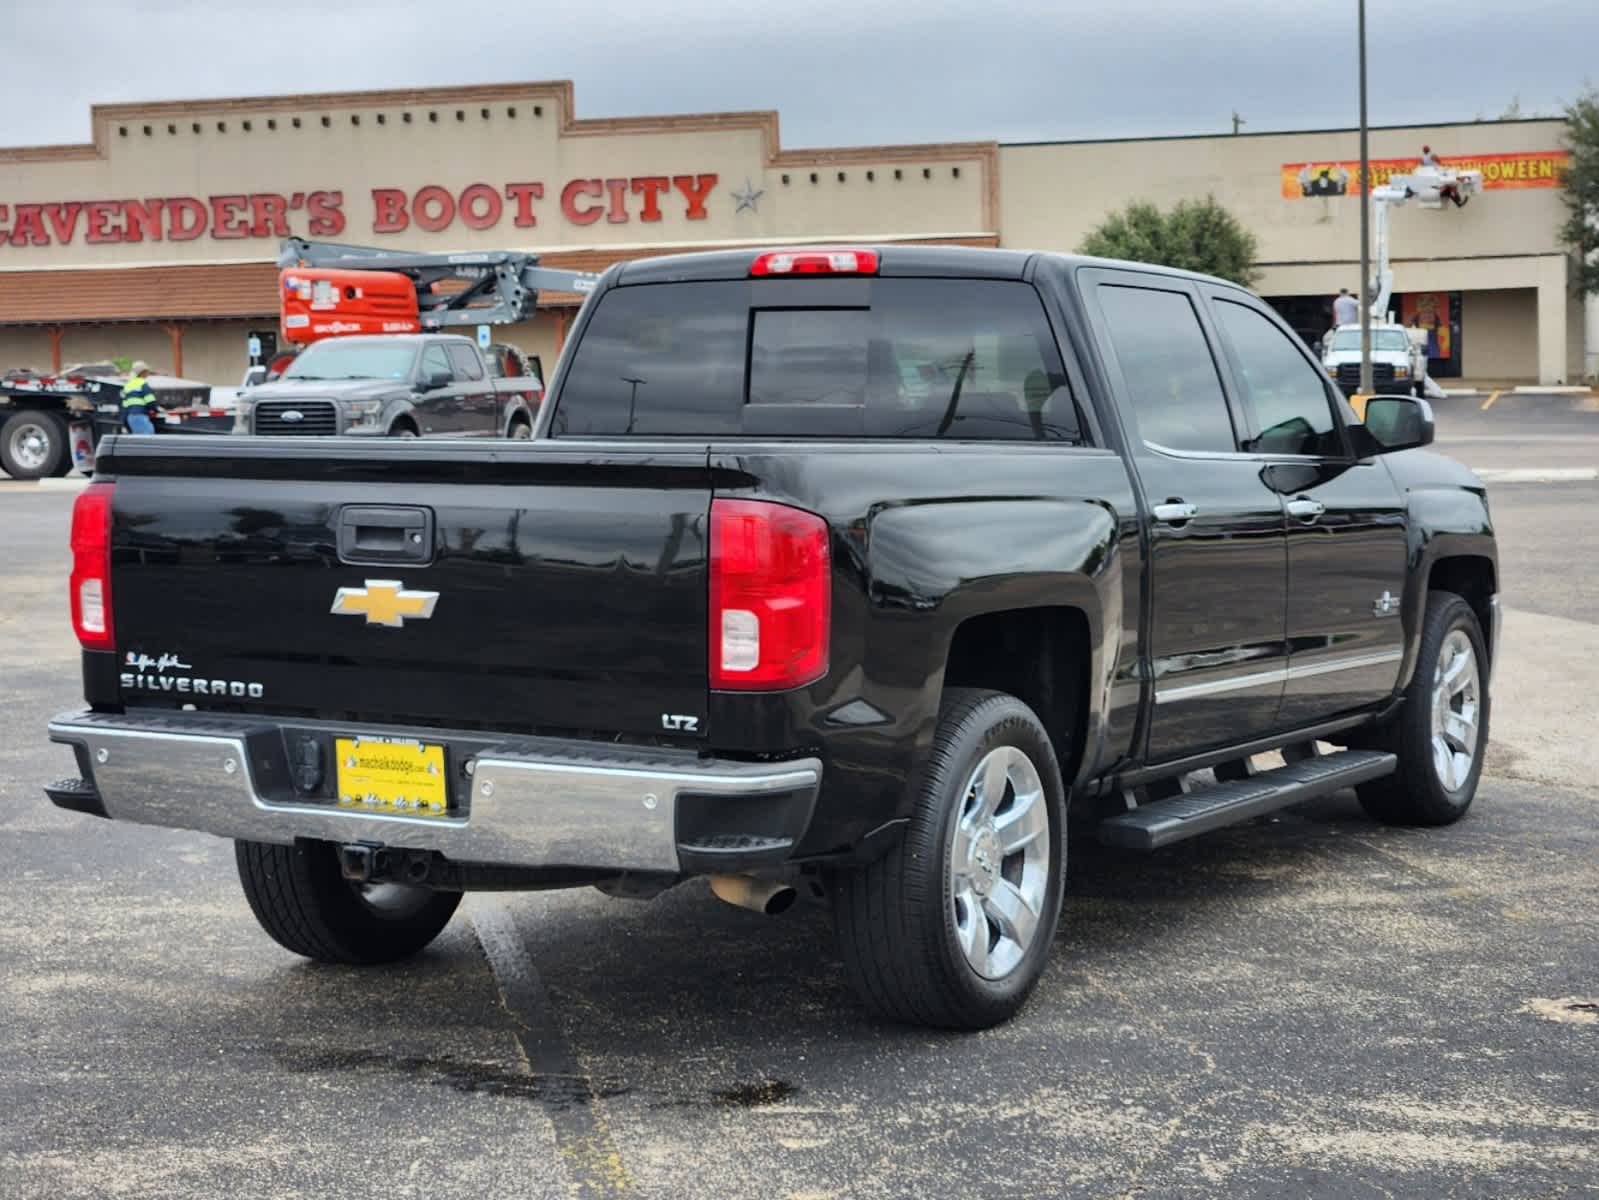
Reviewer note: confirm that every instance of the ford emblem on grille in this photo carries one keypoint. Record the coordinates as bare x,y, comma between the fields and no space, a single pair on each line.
293,414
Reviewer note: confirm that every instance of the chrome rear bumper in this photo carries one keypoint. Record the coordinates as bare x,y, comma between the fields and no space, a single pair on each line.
528,802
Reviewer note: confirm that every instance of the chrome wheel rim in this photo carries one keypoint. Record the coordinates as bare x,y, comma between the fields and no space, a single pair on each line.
1456,711
521,432
999,861
30,446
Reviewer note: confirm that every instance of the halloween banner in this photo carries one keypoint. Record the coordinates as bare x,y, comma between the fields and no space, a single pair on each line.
1341,177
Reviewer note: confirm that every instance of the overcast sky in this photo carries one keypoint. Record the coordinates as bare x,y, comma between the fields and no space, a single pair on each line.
839,71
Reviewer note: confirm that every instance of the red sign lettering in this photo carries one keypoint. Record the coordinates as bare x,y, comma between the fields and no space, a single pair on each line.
390,215
185,219
480,207
524,194
442,213
651,187
569,195
431,209
695,188
327,213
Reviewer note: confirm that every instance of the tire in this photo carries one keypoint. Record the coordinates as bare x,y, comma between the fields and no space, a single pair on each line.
520,431
307,906
1432,787
904,920
403,430
33,444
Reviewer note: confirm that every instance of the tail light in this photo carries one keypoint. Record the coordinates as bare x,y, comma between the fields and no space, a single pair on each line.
771,584
815,262
91,568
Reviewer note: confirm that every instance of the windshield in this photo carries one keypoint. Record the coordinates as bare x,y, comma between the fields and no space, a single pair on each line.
1381,339
361,360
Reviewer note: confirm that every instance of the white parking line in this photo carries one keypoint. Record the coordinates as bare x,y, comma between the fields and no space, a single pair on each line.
1537,474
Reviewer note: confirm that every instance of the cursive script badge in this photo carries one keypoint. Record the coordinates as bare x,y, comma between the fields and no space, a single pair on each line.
160,664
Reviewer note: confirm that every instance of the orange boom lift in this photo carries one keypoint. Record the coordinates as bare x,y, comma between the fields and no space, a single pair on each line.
330,290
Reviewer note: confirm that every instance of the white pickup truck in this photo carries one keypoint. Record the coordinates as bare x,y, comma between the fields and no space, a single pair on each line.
1397,363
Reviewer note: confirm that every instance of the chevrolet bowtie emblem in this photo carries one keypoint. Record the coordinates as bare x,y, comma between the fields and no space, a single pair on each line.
385,602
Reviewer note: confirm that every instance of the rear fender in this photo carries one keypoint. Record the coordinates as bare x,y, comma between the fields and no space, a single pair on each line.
970,558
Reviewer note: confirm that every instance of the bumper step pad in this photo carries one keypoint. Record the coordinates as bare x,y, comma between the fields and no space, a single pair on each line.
1151,826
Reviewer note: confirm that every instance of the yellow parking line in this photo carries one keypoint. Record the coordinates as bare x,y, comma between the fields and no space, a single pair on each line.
1489,403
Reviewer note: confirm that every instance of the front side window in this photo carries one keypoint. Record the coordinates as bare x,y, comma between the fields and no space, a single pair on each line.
919,358
1172,382
1289,395
435,361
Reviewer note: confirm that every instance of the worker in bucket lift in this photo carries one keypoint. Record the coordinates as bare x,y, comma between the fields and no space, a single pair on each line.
137,397
1428,158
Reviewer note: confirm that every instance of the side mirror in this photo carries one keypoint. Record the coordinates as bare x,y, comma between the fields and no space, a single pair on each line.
434,378
254,376
1396,423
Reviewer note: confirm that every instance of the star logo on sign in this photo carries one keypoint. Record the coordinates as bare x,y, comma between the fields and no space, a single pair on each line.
747,197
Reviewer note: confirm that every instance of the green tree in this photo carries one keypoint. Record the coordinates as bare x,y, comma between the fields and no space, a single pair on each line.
1581,230
1196,235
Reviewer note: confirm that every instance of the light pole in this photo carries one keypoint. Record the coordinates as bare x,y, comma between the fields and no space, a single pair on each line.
1365,221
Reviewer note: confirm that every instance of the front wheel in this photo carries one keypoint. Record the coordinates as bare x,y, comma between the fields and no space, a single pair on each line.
305,904
1442,729
953,926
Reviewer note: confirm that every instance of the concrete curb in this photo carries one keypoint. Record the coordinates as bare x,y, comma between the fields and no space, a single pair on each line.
64,483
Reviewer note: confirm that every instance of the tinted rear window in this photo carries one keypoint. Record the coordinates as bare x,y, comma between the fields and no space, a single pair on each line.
912,358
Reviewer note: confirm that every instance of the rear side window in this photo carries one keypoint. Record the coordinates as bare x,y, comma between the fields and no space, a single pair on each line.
919,358
1173,386
465,361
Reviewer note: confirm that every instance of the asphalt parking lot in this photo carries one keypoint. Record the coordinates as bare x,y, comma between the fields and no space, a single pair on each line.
1309,1005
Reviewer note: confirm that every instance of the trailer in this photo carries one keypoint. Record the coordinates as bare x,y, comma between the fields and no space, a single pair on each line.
50,424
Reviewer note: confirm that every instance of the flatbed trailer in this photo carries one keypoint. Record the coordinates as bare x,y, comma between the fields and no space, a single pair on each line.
50,424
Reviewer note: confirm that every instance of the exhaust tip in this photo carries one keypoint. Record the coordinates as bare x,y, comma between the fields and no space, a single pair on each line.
780,901
767,896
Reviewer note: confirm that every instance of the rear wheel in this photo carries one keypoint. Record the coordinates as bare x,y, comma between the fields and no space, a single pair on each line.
953,926
305,904
1442,730
33,444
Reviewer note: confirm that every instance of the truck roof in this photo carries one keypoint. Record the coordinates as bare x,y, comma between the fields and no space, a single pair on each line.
894,259
388,339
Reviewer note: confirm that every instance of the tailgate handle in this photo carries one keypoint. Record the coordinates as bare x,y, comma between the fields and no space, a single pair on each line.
373,534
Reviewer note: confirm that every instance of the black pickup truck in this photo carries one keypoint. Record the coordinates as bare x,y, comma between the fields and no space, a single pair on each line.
831,572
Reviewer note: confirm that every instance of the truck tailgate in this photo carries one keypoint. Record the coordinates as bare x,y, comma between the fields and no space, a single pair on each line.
557,588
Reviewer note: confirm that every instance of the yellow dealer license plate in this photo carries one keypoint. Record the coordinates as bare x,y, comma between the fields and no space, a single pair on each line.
392,775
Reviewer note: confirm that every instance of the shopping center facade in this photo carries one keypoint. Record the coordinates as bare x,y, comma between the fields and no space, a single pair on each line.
157,239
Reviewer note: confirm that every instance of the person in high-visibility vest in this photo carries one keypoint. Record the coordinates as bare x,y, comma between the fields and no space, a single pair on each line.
137,396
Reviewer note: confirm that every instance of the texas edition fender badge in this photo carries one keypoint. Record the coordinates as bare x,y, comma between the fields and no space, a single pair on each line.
166,673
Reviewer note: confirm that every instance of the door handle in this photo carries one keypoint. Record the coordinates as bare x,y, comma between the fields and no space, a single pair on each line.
1175,512
1305,508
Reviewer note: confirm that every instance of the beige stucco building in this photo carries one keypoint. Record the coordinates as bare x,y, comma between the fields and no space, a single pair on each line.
157,239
